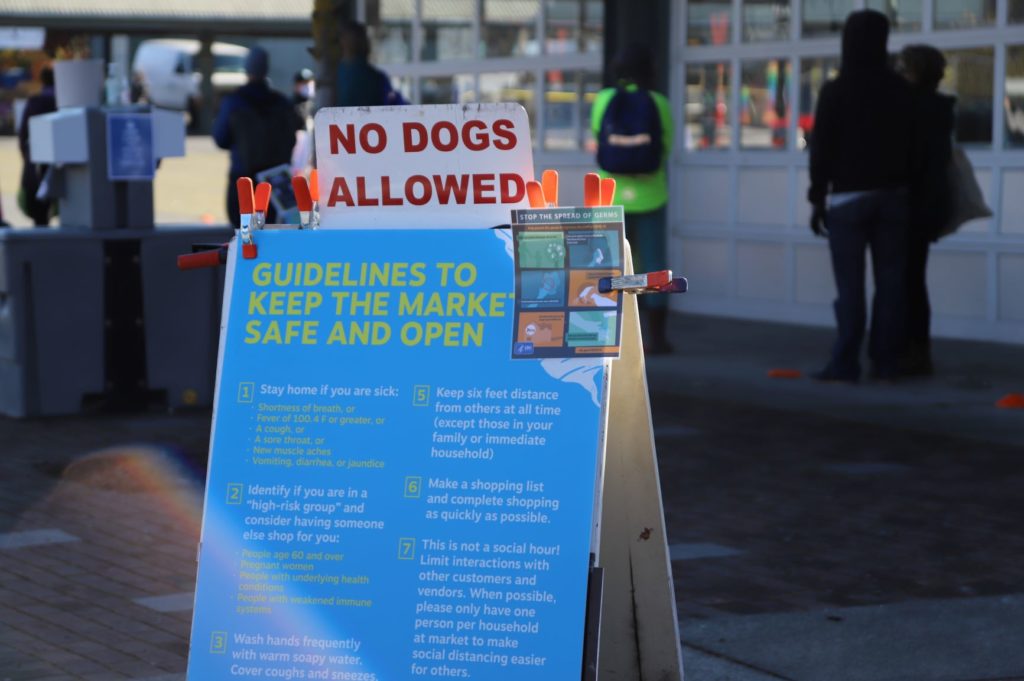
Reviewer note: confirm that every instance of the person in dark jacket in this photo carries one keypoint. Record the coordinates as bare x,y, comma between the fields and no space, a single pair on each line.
258,125
358,83
923,66
862,156
32,174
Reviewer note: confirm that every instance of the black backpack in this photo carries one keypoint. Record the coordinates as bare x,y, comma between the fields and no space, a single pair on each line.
629,140
264,134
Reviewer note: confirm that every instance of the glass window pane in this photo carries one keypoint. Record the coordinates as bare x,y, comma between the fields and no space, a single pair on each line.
1014,102
568,98
824,17
447,90
509,28
447,30
765,20
574,26
509,86
764,104
593,25
1016,11
964,13
969,76
708,22
904,15
402,85
814,72
707,115
389,23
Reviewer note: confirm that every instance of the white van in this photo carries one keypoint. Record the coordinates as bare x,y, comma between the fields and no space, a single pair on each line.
169,71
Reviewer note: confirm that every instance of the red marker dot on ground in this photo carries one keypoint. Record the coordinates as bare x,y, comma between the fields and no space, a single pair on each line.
1011,401
785,373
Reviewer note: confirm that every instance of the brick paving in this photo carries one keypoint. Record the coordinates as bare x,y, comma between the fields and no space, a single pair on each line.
129,490
818,511
948,523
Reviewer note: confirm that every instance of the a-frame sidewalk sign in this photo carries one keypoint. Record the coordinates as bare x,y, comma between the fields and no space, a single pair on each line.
425,461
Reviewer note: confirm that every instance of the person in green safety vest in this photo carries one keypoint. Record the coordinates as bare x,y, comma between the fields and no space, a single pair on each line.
633,126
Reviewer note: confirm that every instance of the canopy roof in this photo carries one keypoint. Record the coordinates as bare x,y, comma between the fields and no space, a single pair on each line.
266,17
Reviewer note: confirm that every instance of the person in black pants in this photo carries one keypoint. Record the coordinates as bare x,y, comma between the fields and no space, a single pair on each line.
32,174
862,155
923,66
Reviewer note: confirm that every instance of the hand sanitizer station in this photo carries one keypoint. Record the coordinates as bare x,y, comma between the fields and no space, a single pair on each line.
94,312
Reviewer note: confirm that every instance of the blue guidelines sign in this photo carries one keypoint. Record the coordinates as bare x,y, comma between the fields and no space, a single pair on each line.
389,495
130,147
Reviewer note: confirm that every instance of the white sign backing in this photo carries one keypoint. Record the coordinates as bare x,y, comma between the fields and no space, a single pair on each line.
434,166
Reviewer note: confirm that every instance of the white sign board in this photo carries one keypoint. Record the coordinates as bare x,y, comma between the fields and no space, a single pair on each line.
457,166
22,37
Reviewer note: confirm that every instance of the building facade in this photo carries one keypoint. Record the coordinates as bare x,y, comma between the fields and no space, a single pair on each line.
745,78
742,76
544,54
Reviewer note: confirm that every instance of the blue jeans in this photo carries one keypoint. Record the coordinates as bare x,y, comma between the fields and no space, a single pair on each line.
879,221
646,235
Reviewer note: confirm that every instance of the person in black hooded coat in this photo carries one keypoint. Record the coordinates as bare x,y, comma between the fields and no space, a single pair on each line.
924,67
862,156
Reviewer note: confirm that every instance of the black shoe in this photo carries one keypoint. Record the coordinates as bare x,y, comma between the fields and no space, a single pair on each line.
884,374
830,375
919,366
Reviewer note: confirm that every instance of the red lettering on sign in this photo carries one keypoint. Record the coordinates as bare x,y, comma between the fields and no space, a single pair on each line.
445,136
339,193
410,130
449,131
477,142
446,186
419,190
503,129
410,187
361,198
385,189
513,188
364,137
481,184
346,139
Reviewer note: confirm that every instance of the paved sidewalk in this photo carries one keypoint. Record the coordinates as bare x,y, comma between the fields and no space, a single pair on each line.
98,514
817,532
840,532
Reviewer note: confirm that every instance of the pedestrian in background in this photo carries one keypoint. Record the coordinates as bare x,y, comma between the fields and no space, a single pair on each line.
633,126
258,125
359,83
302,94
862,154
303,89
924,66
32,174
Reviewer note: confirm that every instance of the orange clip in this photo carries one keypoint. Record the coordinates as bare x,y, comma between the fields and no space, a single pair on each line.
261,198
591,190
245,199
302,196
535,193
248,251
314,184
607,191
549,183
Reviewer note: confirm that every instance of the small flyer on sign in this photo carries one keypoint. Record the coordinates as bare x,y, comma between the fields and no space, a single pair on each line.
560,256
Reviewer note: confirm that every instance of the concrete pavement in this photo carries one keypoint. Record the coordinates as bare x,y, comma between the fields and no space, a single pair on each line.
846,532
817,532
